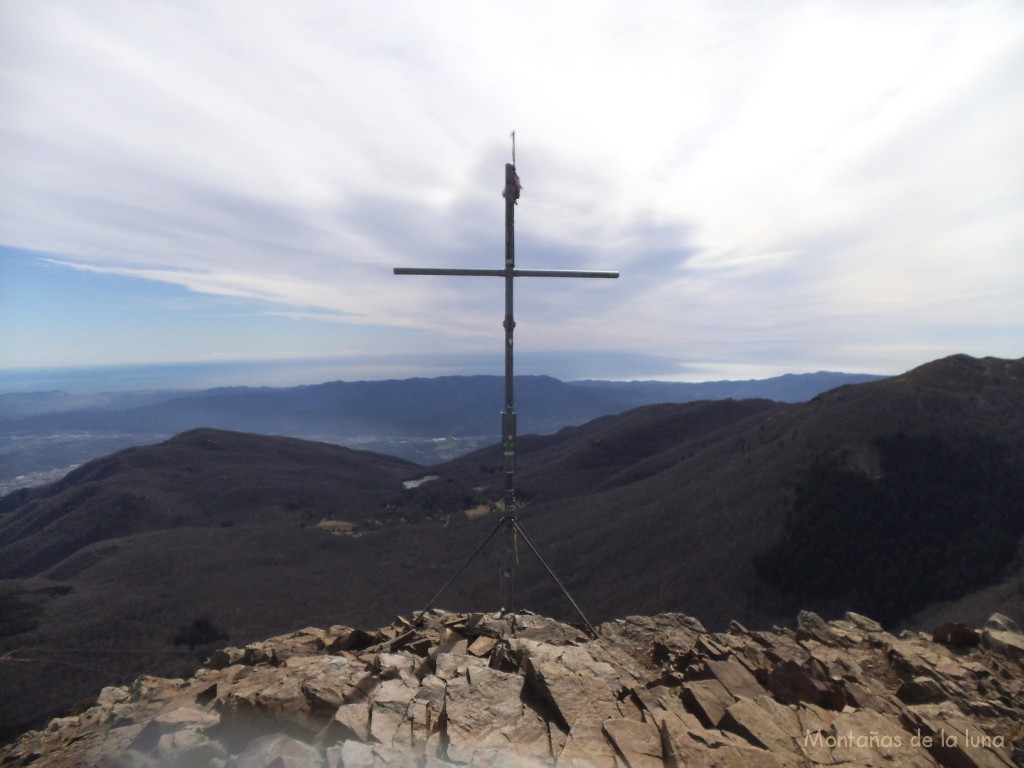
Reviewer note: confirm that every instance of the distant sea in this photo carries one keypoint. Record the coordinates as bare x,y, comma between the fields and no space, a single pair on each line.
605,366
122,378
317,370
253,373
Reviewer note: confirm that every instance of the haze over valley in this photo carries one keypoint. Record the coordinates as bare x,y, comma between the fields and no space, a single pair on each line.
45,434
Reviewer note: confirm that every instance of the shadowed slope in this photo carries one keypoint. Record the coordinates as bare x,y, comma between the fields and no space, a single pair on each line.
664,508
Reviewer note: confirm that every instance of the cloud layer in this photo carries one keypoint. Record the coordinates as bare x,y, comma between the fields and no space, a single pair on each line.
821,185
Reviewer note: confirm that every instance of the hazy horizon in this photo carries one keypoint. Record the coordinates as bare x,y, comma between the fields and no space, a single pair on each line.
287,373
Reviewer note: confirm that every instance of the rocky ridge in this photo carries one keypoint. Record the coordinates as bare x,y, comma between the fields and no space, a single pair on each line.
487,689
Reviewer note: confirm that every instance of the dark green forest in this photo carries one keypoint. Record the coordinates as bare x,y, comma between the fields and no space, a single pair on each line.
942,519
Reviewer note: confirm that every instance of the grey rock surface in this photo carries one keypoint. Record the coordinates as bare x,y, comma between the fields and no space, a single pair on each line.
488,689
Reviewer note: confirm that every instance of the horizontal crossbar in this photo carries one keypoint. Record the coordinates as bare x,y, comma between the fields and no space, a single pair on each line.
502,272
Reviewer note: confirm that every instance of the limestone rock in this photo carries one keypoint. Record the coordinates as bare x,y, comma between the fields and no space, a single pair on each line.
920,690
223,658
587,746
735,678
188,747
353,717
279,751
638,743
808,682
811,625
575,685
708,700
764,723
1002,623
482,703
388,722
486,689
112,695
1009,644
329,680
863,622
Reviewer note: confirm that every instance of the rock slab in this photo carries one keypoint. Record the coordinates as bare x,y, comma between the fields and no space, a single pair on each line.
490,689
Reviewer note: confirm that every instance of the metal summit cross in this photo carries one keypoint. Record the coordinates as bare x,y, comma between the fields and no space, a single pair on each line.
509,522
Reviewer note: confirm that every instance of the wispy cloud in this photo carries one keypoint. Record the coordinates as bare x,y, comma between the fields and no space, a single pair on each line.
836,182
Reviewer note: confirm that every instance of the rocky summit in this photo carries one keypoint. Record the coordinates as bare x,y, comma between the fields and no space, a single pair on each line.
522,690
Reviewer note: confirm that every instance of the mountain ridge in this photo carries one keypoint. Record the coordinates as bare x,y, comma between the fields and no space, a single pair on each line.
404,417
663,508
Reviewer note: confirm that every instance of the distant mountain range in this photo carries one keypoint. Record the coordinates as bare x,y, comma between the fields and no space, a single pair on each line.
43,434
897,498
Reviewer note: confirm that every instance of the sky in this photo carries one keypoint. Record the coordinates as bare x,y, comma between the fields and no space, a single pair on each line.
785,187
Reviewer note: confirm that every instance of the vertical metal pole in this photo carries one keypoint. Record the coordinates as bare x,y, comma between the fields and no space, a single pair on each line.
508,521
508,415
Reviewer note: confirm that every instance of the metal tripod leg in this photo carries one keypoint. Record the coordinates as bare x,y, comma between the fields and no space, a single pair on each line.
419,619
514,522
551,573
